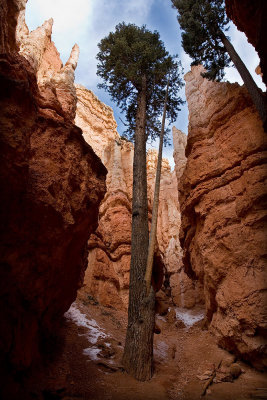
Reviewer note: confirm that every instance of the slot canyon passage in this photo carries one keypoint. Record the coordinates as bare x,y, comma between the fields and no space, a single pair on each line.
66,190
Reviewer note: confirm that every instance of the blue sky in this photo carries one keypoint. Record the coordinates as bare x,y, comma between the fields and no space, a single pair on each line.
86,22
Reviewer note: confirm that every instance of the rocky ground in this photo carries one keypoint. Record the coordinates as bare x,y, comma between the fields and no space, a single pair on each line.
186,358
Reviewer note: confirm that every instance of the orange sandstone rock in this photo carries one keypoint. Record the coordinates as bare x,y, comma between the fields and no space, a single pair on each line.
188,292
55,81
107,277
223,205
51,187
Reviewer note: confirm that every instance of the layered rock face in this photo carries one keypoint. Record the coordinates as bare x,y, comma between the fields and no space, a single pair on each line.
250,18
223,206
188,292
168,224
179,145
107,277
55,81
51,187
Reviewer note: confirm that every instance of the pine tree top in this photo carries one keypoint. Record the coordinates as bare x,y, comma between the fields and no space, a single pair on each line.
125,57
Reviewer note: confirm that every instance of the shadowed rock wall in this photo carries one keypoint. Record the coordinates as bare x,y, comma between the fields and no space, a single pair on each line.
189,291
51,186
250,18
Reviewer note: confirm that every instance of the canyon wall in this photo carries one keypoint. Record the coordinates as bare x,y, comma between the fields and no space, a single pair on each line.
190,291
51,187
107,276
223,206
250,18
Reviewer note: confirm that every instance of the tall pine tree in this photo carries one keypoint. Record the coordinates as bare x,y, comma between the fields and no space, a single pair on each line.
135,67
203,23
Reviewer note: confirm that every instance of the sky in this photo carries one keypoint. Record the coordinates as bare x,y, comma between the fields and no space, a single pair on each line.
86,22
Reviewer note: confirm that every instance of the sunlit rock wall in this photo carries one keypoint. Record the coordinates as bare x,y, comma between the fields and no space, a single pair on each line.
223,205
107,277
55,81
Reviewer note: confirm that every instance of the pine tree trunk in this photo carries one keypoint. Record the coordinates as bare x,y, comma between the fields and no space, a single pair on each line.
138,351
153,230
257,97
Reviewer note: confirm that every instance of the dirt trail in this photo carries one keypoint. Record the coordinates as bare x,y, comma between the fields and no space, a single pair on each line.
90,368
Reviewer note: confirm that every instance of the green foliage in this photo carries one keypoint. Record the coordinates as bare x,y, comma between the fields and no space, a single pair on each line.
202,22
127,55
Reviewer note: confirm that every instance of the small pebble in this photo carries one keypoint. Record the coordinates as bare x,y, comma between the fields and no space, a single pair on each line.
235,370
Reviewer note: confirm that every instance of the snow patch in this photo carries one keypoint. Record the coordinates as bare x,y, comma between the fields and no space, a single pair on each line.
189,317
92,352
161,318
94,331
161,349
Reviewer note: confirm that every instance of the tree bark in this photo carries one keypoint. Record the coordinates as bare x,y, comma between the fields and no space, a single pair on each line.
256,95
138,351
153,229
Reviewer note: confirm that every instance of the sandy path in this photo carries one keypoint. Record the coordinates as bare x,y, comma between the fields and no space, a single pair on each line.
89,367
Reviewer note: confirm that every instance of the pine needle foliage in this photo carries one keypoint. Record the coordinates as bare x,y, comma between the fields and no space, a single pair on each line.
127,55
202,23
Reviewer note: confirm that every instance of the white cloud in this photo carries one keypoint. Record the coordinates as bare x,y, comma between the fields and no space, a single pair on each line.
71,20
85,22
67,15
112,12
138,8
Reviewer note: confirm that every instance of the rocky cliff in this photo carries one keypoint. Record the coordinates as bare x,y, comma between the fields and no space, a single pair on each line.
223,206
107,277
250,18
55,81
179,145
51,186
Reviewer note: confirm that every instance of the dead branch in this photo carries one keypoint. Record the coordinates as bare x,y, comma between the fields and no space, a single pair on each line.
209,382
